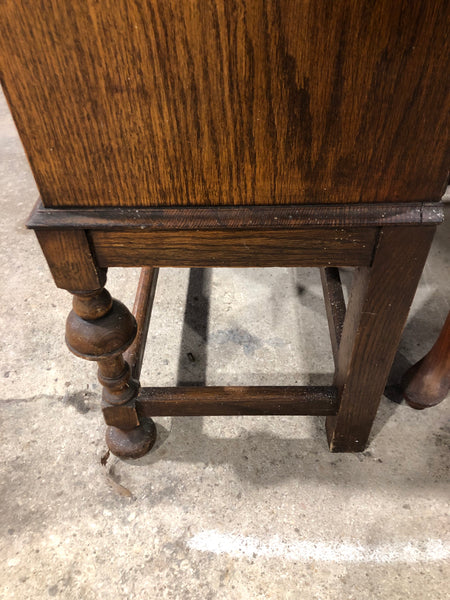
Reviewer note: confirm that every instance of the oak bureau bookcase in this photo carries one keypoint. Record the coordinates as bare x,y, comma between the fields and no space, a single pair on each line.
209,133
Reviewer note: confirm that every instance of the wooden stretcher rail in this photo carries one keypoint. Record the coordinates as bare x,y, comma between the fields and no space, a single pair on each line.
233,400
334,305
142,311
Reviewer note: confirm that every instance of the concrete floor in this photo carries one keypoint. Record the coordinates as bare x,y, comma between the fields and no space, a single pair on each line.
222,508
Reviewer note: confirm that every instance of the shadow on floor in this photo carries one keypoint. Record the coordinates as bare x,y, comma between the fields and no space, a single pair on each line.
261,457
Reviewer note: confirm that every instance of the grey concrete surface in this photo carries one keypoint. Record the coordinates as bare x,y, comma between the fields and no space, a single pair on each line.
222,508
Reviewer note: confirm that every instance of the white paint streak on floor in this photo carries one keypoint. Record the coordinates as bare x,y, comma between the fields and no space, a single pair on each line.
414,551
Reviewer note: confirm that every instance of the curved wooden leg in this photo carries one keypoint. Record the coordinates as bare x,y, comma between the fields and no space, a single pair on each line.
427,382
100,328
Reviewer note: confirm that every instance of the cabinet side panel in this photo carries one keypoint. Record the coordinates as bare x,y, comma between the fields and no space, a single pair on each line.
133,103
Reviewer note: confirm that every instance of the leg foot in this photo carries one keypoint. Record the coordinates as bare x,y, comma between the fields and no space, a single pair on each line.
133,443
427,382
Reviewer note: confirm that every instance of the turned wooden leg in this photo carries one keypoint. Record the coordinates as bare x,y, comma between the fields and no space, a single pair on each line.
427,382
101,329
376,314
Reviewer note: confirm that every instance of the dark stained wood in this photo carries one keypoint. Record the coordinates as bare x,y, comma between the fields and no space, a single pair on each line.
237,217
427,383
376,314
123,416
92,305
301,247
99,336
131,443
70,259
253,400
101,329
142,311
171,103
334,305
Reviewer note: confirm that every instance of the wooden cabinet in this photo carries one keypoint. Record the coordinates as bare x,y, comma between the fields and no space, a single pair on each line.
235,133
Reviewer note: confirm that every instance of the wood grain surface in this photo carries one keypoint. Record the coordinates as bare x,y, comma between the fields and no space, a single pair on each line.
296,248
237,400
69,257
334,305
142,311
222,102
376,314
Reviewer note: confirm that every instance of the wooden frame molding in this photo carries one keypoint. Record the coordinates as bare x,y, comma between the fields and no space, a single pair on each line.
201,218
241,236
